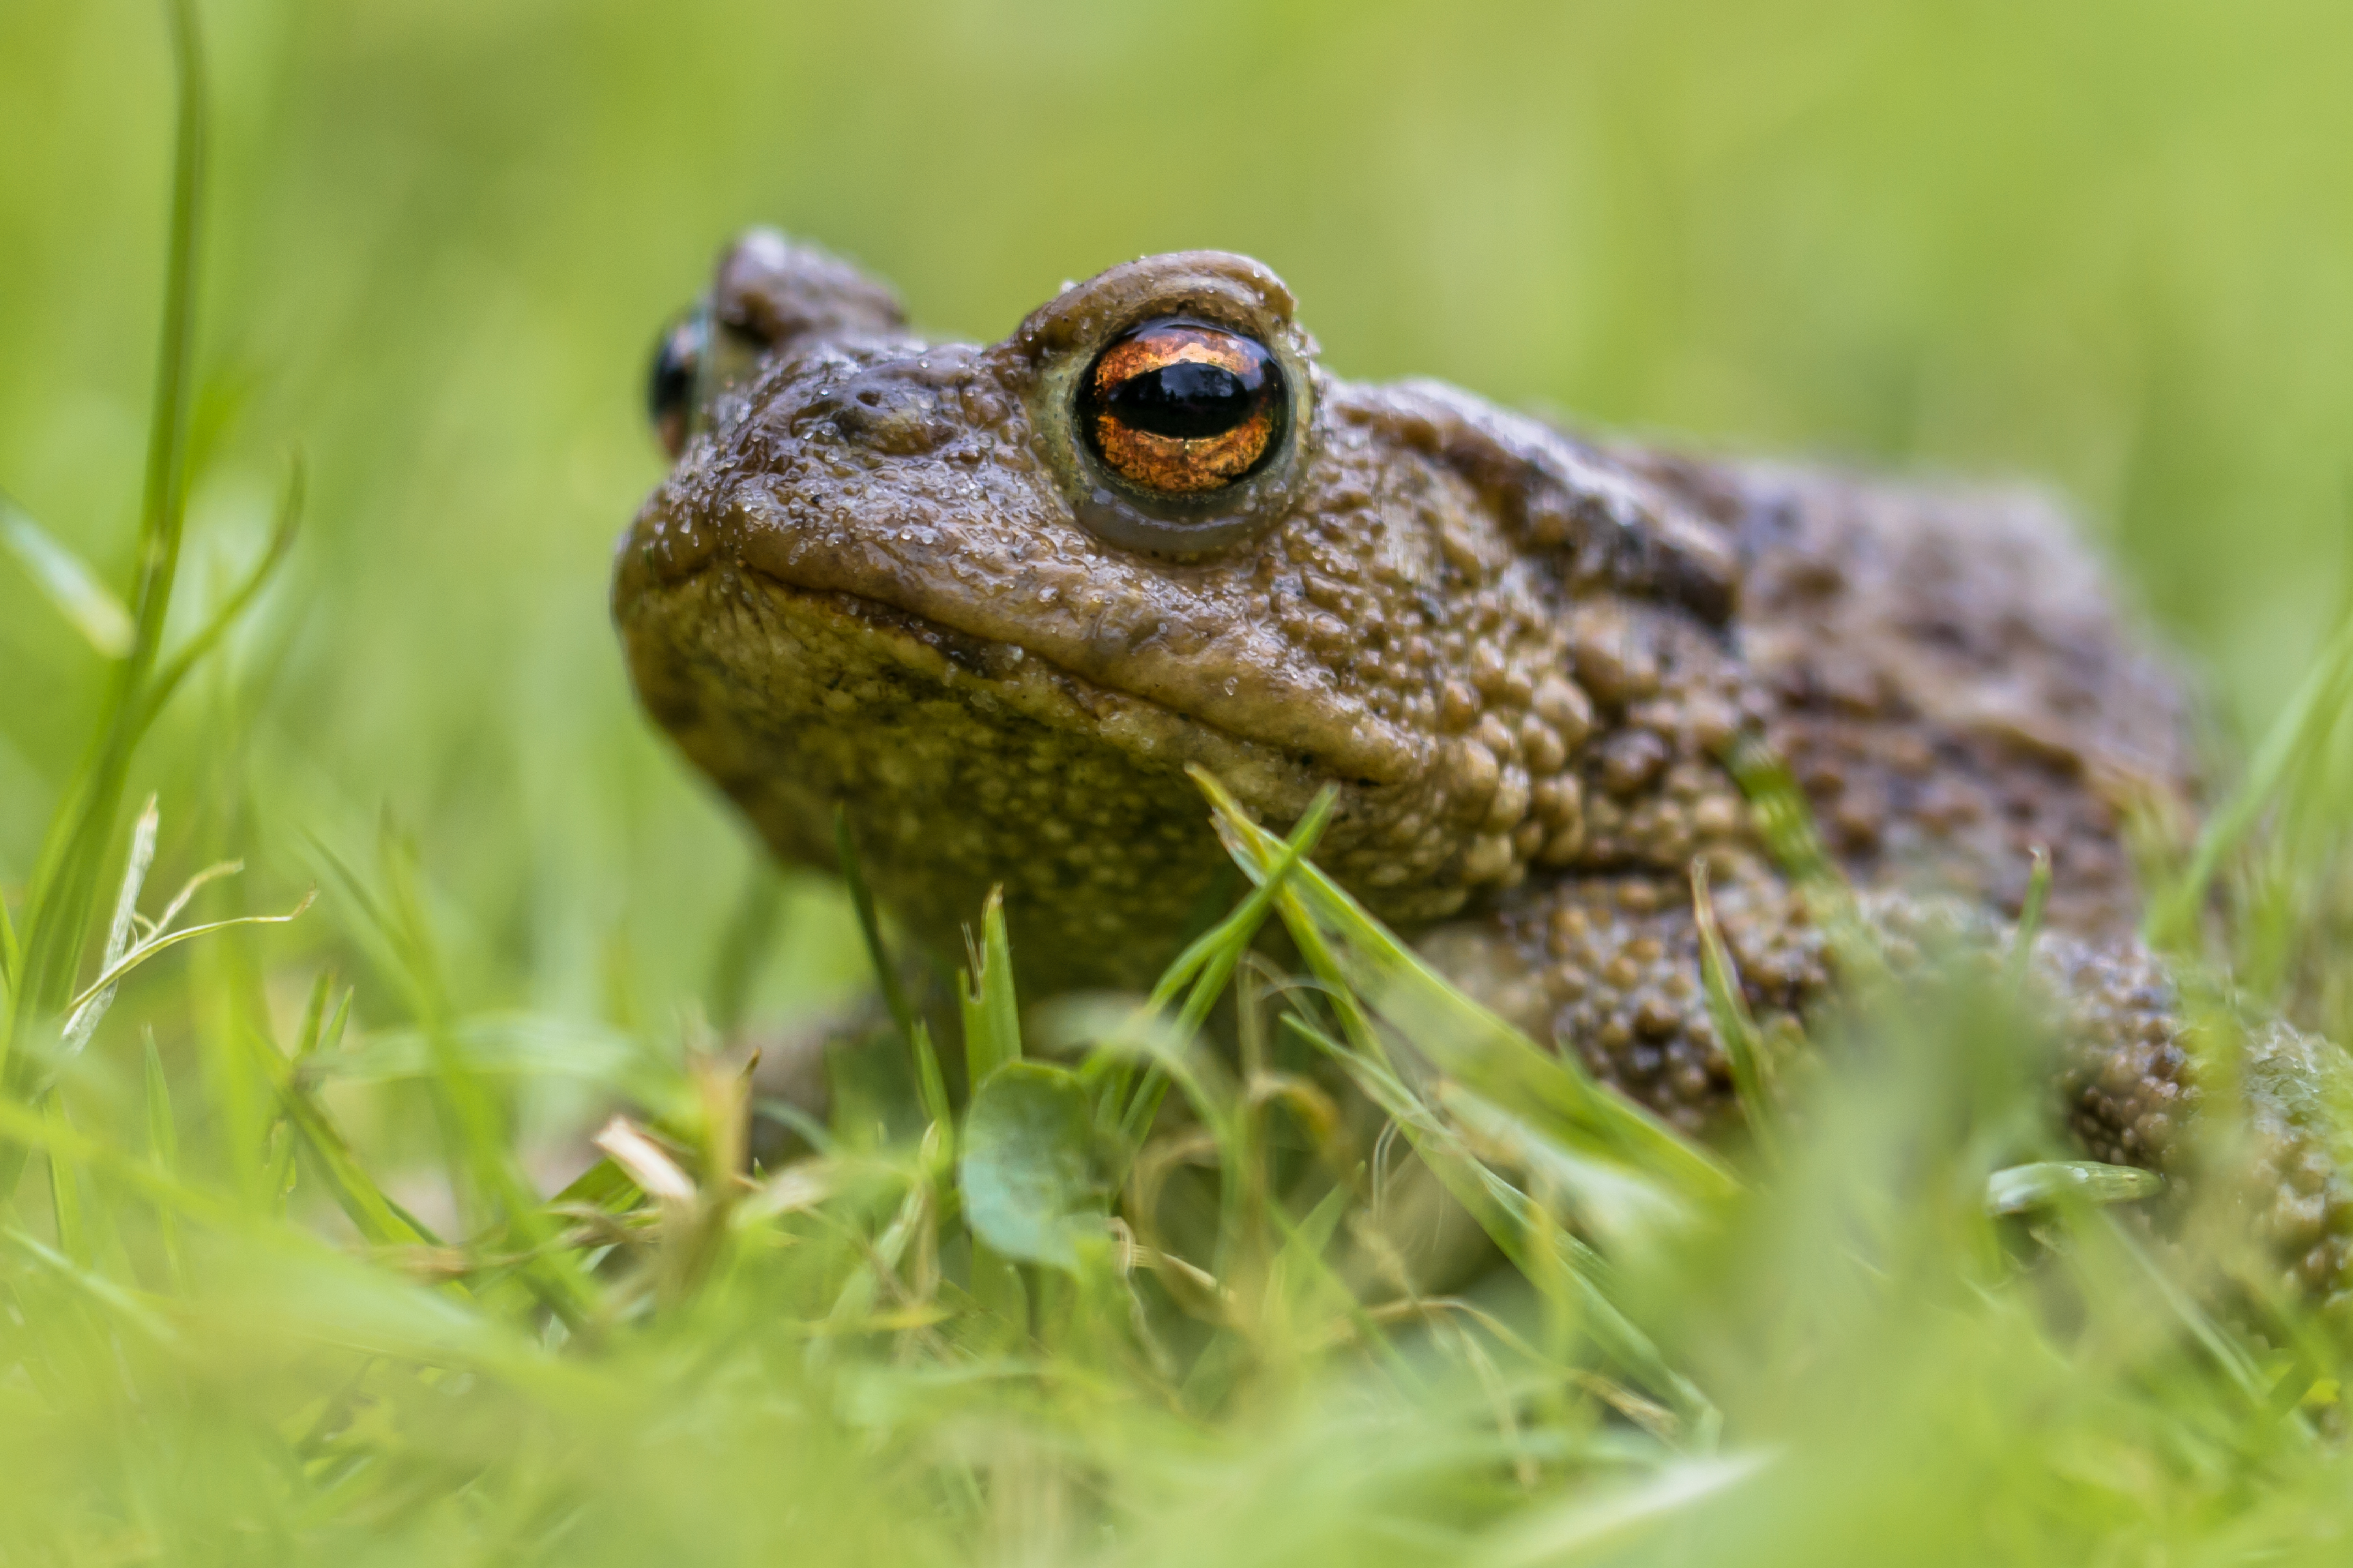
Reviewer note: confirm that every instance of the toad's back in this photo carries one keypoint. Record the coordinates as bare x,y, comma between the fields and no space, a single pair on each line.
1953,687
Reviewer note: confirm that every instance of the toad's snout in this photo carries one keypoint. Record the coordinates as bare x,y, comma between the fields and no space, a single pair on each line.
905,407
889,409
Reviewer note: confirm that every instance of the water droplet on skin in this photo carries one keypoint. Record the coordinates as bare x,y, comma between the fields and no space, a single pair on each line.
1232,685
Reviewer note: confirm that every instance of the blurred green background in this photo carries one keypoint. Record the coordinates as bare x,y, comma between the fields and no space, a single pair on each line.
2109,245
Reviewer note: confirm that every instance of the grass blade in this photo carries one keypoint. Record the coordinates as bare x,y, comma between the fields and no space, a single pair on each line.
743,946
862,899
147,950
992,1017
1727,1007
70,586
1207,962
66,874
2320,699
163,1150
1599,1525
231,609
12,960
65,1195
2020,1188
92,1007
1462,1039
119,1304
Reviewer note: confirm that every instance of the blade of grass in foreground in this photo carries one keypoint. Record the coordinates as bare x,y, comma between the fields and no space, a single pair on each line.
1727,1007
992,1016
1628,1169
481,1157
2302,729
1208,962
42,968
1459,1037
1572,1273
862,899
241,598
65,875
87,604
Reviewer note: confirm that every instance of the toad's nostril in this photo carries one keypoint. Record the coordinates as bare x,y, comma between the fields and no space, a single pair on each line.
886,413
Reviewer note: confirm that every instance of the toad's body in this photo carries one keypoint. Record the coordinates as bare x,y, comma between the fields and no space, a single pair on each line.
995,600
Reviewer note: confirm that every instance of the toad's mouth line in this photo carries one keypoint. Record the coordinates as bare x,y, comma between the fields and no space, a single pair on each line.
1085,703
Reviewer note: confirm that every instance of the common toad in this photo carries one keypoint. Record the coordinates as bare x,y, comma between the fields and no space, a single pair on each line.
995,600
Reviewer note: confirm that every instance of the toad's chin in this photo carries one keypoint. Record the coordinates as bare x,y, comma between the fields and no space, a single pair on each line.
962,764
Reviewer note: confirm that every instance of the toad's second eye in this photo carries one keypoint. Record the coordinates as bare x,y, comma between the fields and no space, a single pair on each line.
1177,406
671,379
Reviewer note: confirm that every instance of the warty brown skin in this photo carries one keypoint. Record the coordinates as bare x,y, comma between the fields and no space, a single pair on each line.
885,572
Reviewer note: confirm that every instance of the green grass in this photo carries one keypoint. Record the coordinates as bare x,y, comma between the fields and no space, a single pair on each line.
419,1228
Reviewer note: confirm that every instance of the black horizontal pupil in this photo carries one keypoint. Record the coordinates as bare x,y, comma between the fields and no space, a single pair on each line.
1186,400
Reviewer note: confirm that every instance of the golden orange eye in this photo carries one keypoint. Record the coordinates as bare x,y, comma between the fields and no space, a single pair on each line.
1178,406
